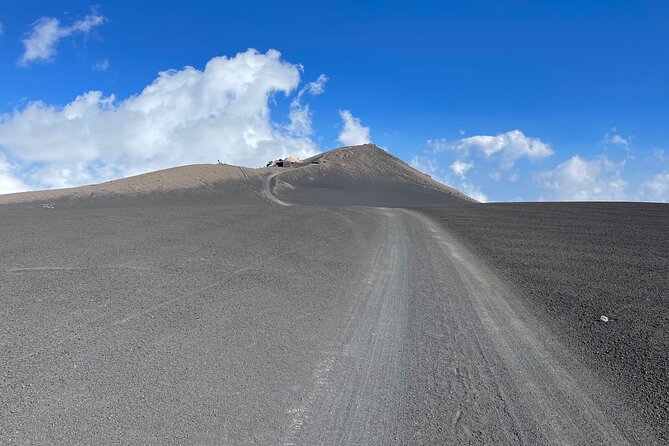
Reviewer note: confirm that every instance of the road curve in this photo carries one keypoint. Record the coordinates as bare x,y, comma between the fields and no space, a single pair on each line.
356,326
268,187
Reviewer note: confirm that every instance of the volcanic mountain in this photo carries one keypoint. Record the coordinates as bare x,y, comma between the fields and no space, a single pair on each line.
307,304
356,175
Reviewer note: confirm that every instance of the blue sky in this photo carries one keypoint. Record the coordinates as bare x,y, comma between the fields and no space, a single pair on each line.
508,101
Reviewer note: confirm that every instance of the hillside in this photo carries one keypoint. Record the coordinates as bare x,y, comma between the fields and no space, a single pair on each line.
357,175
362,175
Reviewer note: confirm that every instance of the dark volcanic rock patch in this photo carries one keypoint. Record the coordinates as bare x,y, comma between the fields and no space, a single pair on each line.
576,262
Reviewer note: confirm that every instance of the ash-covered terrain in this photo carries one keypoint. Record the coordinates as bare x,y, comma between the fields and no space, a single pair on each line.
576,262
343,299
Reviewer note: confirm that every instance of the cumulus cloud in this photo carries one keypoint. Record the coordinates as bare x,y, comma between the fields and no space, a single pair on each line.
41,43
353,133
509,147
318,86
657,188
506,147
580,179
8,181
184,116
460,168
300,115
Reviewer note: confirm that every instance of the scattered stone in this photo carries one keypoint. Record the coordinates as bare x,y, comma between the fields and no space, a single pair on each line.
603,318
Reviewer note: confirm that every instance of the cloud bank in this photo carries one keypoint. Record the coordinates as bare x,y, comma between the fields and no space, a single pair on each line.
184,116
581,179
353,133
503,150
41,43
507,148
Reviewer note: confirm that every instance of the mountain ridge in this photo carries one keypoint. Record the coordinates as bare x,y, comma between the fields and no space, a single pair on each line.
355,175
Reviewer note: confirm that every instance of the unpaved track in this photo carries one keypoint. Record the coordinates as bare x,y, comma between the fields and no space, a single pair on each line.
267,189
268,185
436,350
356,326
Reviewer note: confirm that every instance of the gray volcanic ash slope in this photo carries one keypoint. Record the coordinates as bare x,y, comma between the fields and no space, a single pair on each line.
357,175
304,304
576,262
362,175
215,184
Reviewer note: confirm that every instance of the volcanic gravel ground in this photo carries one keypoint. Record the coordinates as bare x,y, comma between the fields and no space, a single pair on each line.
204,305
576,262
277,325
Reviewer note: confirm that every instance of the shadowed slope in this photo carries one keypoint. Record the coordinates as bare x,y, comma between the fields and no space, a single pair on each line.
362,175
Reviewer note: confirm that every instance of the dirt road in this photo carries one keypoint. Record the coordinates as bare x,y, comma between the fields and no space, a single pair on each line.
355,326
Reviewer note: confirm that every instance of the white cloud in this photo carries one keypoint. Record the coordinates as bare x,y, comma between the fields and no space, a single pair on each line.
617,139
495,176
318,86
41,44
185,116
431,166
353,133
460,168
473,191
8,181
506,147
101,65
509,147
514,177
300,119
580,179
658,187
300,115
